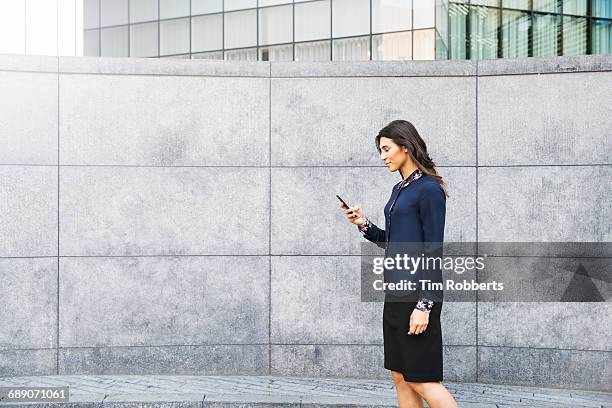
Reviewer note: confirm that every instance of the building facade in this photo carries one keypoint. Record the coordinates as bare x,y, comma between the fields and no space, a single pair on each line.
337,30
312,30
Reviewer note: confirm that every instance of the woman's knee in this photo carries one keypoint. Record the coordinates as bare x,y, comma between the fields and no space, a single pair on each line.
397,377
417,387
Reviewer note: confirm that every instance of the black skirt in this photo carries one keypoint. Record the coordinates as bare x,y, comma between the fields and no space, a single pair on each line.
417,357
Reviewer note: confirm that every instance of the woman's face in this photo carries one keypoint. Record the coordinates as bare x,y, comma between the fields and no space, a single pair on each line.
393,155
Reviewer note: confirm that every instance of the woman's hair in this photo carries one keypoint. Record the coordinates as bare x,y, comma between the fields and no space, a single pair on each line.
403,133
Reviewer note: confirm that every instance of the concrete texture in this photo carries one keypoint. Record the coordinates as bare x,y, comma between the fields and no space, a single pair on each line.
178,217
274,391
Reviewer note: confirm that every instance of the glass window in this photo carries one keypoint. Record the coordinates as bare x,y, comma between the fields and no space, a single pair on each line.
574,35
143,40
576,7
143,10
263,3
351,49
207,33
545,29
483,32
91,43
423,45
602,37
392,46
441,49
41,31
113,12
350,17
241,29
247,54
602,8
276,25
391,15
493,3
91,14
173,8
276,53
216,55
546,5
313,51
206,6
423,13
515,34
174,36
458,34
182,56
516,4
312,21
114,41
442,21
239,4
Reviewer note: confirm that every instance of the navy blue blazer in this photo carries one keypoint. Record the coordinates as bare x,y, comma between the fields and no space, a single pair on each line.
418,216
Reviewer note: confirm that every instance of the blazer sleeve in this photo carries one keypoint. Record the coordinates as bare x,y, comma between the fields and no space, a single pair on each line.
432,210
374,234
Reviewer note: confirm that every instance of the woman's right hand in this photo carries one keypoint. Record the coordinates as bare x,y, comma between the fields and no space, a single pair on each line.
354,214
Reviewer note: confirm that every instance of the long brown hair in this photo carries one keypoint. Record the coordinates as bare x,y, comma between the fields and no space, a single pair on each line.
403,133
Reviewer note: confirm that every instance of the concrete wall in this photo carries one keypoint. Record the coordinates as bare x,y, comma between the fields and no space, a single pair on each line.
167,216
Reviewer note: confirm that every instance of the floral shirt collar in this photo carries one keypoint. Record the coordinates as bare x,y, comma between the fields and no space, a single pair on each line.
418,173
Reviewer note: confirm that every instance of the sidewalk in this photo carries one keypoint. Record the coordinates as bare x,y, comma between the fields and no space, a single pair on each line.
271,391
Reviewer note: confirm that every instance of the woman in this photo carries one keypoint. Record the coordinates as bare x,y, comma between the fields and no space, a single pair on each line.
415,212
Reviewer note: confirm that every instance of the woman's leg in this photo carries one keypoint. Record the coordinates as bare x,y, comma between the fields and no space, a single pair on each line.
406,396
436,395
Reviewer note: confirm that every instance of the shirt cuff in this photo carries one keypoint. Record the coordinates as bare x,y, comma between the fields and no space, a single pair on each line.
424,305
366,225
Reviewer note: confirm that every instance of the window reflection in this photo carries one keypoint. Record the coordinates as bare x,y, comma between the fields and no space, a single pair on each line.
91,43
173,8
217,55
114,41
423,13
458,35
207,33
276,53
545,28
351,49
143,40
483,32
602,37
174,36
574,35
350,17
249,54
240,29
276,25
312,20
113,12
423,45
313,51
143,10
393,46
391,15
515,32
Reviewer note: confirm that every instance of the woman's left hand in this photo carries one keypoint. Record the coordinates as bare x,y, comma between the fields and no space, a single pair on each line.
418,322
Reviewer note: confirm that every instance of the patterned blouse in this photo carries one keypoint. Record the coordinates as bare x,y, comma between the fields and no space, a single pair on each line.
423,304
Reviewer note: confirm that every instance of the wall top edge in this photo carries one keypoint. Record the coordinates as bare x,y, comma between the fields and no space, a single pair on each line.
35,63
161,66
545,65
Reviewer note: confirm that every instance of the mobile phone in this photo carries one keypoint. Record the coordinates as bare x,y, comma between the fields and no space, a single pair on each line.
343,202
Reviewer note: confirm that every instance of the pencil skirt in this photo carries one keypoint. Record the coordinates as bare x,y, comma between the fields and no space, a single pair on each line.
417,357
